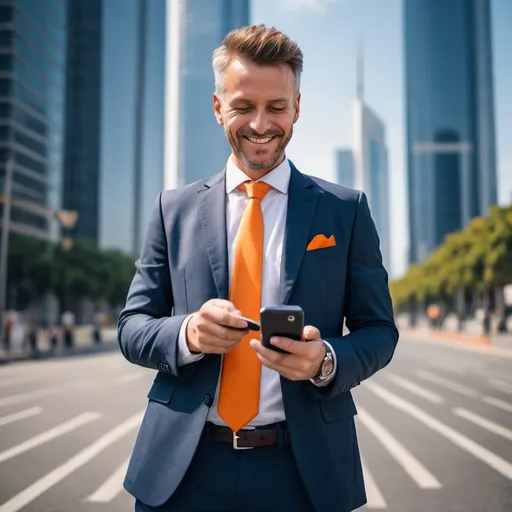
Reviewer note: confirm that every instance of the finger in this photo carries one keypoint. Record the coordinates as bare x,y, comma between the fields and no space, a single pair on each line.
227,318
310,333
290,371
223,304
276,360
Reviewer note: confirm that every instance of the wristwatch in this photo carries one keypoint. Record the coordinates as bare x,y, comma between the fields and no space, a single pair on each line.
326,367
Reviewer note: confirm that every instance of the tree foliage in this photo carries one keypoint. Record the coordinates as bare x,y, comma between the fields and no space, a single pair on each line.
83,271
477,258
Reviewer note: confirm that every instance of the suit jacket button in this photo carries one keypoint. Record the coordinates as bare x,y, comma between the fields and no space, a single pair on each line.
208,400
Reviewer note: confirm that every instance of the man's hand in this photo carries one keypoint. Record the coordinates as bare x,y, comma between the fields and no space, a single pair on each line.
216,328
304,359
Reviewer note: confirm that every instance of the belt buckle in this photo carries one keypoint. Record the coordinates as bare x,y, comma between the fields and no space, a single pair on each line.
235,441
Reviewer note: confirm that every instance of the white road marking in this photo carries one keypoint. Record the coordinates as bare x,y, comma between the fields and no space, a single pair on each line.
415,389
374,498
497,403
423,478
50,434
40,393
112,487
448,384
489,425
17,416
505,387
483,454
29,494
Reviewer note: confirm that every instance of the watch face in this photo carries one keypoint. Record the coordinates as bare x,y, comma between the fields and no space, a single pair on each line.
328,368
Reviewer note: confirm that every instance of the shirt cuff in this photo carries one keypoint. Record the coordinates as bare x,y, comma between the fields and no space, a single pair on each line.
322,383
184,354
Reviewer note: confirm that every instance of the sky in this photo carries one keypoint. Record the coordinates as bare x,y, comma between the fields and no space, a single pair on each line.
328,32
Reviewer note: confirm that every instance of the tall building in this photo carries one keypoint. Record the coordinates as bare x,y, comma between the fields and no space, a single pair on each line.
195,145
83,116
133,78
371,170
345,172
371,164
32,97
450,118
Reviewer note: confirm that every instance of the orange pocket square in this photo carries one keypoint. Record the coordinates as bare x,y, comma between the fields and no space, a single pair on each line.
321,242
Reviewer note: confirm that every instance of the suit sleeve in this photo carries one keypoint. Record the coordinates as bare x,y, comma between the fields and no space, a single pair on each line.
368,309
147,333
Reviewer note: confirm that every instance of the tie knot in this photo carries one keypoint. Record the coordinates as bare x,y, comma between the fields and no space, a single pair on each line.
256,189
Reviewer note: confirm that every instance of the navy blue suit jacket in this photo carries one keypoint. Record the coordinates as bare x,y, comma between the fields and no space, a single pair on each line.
184,263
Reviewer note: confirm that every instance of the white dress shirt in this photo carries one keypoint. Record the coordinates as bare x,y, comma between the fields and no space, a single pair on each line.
274,207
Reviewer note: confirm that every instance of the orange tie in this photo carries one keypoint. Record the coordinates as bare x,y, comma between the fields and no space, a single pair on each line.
239,396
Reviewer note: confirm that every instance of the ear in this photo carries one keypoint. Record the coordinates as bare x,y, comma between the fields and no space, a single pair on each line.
217,108
297,108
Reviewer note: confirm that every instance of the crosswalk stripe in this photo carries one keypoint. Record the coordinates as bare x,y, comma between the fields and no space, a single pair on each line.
374,498
423,478
415,389
50,434
483,454
17,416
112,487
29,395
448,384
497,403
491,426
54,477
501,386
41,393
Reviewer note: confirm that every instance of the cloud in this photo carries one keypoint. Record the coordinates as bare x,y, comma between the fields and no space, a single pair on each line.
306,5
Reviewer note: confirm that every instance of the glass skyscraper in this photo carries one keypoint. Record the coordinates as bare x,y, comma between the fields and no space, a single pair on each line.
450,118
32,96
371,170
133,77
345,173
83,116
195,145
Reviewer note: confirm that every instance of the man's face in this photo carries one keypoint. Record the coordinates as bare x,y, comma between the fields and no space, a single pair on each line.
258,107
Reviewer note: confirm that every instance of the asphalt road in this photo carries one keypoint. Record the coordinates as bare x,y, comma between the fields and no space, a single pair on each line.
435,430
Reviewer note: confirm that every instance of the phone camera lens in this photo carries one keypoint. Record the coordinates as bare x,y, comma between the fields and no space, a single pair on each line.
291,318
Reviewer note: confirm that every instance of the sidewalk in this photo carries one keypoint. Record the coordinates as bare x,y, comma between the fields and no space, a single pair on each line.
83,345
502,341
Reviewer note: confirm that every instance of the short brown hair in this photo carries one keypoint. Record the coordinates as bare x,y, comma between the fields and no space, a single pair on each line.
261,45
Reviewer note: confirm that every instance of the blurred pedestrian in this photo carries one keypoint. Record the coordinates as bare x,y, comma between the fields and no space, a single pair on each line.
7,334
232,425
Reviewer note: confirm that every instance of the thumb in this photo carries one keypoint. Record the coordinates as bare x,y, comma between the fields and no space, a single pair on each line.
310,333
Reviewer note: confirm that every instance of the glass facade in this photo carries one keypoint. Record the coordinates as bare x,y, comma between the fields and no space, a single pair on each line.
32,89
131,178
450,118
345,172
83,116
202,149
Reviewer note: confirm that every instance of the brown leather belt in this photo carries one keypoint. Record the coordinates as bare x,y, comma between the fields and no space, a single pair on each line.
247,438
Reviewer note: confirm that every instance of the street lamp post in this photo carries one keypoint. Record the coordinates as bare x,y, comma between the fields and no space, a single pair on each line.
4,249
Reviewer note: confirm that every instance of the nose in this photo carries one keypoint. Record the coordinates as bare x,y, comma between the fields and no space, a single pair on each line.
260,122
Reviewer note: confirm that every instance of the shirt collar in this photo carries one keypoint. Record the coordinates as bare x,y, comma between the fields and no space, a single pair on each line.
278,178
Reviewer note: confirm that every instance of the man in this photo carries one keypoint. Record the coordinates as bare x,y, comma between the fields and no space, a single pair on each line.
231,425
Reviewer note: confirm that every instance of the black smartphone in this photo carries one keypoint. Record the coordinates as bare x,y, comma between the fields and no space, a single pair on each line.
252,325
286,321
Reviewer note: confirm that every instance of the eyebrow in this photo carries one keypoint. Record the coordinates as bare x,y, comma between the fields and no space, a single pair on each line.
245,100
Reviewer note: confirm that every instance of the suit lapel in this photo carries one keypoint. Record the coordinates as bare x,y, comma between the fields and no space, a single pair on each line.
212,212
302,199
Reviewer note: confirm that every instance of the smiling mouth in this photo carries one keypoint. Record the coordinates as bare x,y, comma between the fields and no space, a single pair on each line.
262,140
